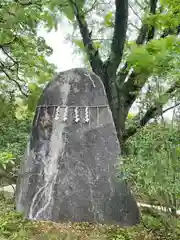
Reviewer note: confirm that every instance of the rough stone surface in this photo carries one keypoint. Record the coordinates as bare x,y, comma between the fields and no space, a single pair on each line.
70,169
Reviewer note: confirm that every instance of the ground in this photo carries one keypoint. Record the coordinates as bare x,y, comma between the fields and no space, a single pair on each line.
13,227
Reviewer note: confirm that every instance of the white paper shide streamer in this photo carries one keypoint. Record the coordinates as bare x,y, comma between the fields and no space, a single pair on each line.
86,117
77,118
65,117
57,116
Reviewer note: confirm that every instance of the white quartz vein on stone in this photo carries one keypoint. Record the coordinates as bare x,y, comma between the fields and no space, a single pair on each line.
51,164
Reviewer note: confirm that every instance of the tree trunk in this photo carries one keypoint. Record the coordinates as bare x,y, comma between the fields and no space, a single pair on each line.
117,103
121,92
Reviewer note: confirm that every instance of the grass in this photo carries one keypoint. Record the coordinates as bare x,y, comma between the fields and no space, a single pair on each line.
14,227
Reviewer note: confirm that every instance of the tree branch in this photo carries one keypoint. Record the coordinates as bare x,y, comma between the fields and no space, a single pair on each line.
134,26
2,68
131,86
170,108
152,112
8,43
170,31
29,3
144,35
91,51
119,36
156,109
92,7
153,6
135,13
11,58
140,5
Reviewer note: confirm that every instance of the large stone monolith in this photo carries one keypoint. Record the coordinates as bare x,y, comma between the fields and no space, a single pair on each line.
70,169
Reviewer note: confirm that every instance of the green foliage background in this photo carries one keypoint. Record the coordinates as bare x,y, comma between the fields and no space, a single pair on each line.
153,163
152,160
